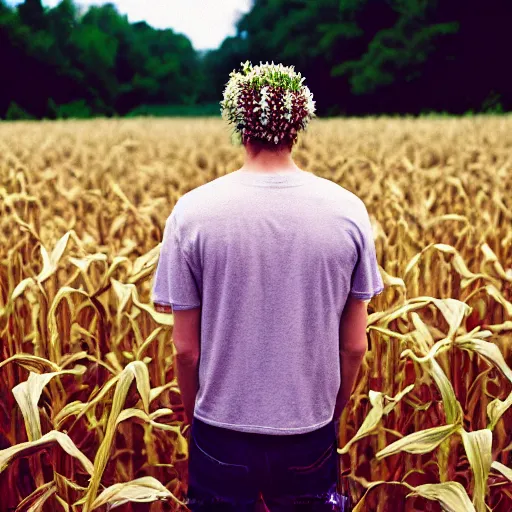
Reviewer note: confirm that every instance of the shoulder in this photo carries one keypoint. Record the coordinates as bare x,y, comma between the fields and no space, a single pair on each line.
209,189
196,203
336,188
352,203
350,207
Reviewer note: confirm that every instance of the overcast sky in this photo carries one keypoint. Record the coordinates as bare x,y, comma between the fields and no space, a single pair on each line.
205,22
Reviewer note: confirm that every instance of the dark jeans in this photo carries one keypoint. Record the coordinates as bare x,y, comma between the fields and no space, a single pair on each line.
229,468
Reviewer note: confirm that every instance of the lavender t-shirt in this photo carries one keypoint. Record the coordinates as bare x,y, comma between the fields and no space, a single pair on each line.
270,259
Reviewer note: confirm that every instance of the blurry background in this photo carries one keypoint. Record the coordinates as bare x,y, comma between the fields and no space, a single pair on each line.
359,57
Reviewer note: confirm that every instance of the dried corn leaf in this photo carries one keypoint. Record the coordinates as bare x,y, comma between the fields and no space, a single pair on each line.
55,344
496,409
62,482
98,398
386,317
140,490
504,470
139,371
453,311
156,392
20,288
374,417
452,408
478,446
486,349
437,348
27,395
84,263
62,503
505,326
147,342
498,297
72,409
459,264
116,262
144,265
423,337
181,442
123,293
52,437
31,363
51,262
450,495
490,257
361,504
35,500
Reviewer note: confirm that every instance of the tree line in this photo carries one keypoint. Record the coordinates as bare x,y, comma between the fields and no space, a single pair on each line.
359,57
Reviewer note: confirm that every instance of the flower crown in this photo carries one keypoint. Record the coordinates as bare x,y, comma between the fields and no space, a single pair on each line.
267,102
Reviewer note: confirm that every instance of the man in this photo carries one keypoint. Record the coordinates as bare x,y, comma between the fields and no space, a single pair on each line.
267,271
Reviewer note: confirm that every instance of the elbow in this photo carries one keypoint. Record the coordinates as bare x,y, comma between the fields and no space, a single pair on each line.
354,351
187,358
355,346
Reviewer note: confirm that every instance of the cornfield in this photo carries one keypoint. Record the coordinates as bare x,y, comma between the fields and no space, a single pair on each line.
91,416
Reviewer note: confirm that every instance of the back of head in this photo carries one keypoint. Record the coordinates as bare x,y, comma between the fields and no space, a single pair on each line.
268,106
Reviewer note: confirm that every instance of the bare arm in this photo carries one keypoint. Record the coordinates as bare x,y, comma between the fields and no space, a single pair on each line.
186,336
353,347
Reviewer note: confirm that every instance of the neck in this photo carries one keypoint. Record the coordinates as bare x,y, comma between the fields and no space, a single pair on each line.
266,161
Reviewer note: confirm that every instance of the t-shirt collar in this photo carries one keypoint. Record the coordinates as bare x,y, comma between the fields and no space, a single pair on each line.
277,178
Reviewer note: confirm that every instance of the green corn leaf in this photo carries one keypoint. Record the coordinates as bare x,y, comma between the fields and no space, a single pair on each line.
419,442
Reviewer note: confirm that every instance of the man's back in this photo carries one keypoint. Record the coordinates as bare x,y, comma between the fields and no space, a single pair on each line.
271,259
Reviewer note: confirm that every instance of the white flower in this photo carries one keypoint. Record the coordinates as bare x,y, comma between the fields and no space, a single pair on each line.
287,101
234,112
310,105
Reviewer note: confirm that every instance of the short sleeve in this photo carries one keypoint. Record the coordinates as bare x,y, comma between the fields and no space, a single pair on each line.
366,280
175,282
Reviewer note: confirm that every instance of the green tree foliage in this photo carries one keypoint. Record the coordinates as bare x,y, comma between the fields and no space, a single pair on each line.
388,56
359,57
16,113
90,63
